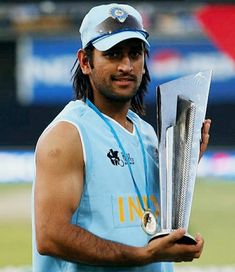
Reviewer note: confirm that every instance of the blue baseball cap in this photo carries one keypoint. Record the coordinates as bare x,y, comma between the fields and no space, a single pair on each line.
106,25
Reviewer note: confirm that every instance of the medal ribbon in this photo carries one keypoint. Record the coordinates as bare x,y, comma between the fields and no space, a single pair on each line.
106,120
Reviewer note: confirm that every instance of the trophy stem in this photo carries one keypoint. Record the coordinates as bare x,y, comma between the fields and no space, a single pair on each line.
183,134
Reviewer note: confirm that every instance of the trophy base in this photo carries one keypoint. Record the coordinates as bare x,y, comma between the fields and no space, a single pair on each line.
187,239
159,235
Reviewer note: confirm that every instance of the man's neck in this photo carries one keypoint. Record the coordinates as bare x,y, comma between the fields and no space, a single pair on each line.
116,110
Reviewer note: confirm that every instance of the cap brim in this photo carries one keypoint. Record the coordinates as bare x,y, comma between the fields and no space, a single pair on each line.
106,42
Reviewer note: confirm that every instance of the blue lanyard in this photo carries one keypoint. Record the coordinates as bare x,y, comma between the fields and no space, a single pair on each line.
106,120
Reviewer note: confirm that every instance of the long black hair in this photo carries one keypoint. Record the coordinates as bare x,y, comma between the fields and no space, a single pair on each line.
82,86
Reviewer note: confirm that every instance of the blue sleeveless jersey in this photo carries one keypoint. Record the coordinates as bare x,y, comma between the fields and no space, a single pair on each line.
109,206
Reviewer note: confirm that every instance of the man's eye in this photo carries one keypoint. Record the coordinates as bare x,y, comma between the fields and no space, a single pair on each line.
136,54
112,54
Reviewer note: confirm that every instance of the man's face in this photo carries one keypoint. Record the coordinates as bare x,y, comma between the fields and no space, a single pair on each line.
117,73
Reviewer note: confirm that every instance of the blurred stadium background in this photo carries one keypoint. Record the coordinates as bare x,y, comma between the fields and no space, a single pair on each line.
38,44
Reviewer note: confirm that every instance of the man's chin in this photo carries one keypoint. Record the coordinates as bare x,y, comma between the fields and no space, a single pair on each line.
120,98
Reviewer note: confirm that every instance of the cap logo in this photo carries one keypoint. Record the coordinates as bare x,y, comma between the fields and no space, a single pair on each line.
119,13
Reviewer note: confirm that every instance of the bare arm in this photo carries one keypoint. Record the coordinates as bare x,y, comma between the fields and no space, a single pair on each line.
58,189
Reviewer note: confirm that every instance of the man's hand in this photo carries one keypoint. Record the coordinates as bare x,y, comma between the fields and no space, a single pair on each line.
204,137
167,249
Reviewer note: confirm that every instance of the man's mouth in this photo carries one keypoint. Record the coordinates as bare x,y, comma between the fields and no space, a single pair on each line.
123,78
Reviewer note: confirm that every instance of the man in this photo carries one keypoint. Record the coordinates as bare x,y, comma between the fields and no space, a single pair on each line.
96,190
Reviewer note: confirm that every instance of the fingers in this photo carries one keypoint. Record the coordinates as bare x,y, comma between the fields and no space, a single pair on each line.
200,243
198,237
186,253
205,130
168,249
176,235
205,136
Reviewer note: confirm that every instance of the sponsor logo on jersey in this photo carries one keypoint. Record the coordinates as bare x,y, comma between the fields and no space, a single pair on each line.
118,159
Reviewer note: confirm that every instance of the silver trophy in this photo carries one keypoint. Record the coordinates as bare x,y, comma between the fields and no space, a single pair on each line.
181,108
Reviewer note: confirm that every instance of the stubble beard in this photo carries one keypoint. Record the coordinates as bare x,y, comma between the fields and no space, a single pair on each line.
108,92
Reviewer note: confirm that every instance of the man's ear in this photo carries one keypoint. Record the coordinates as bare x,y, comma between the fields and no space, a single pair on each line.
83,61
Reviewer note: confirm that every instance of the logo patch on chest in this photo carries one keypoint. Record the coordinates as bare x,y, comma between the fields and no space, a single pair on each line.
119,159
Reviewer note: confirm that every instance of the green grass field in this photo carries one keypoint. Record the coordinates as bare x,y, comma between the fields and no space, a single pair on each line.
213,215
15,224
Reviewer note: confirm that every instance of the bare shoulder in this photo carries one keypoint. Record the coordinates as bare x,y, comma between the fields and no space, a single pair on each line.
61,141
59,168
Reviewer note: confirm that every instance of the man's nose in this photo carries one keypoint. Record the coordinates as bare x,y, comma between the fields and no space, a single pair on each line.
125,65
